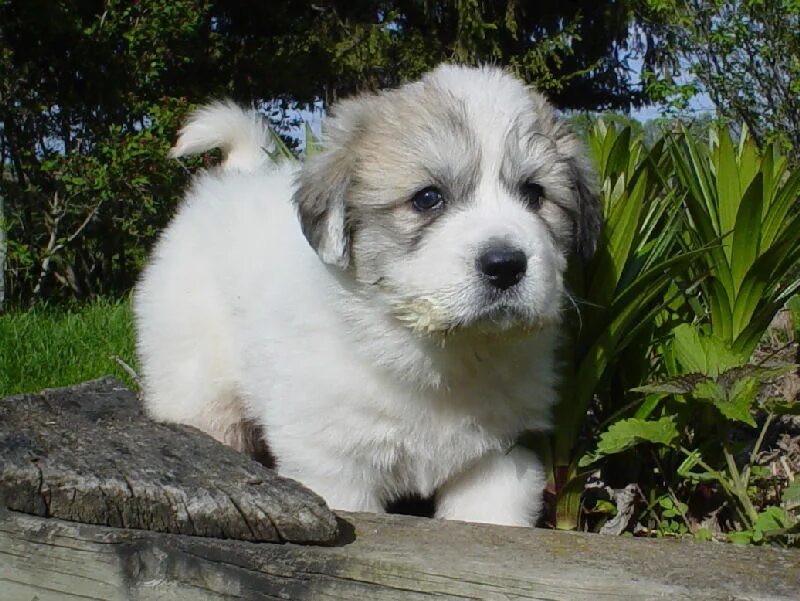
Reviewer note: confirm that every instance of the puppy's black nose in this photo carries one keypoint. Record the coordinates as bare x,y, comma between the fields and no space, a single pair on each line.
503,266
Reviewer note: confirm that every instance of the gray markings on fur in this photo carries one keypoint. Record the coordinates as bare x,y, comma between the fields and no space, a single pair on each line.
383,148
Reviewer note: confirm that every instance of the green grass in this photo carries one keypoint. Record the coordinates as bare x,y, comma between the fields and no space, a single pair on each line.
45,347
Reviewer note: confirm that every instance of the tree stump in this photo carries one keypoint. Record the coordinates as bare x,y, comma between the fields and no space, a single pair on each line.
89,454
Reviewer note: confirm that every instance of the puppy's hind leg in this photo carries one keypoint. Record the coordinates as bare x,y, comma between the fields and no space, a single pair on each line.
210,405
187,358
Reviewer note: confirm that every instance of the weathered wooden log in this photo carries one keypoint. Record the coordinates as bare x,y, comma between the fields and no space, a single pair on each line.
382,558
89,454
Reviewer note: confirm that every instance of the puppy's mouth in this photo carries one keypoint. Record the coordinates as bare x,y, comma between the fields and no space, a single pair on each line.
425,317
500,317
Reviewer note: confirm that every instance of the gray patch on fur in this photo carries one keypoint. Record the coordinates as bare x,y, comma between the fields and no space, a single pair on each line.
322,187
354,199
541,149
381,150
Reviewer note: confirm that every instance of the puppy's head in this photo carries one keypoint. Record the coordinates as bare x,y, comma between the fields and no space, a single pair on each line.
456,200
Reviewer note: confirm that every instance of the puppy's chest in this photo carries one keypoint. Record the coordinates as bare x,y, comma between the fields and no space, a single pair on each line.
418,449
419,457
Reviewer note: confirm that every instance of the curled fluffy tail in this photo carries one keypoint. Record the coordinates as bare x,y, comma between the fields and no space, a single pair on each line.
243,136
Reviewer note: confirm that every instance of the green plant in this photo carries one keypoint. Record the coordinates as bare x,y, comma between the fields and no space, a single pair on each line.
705,407
618,295
46,346
741,206
724,242
742,55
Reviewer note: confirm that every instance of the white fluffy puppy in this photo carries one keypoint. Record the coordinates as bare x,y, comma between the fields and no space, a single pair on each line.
387,313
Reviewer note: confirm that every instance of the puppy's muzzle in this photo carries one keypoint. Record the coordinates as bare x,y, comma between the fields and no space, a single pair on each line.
503,266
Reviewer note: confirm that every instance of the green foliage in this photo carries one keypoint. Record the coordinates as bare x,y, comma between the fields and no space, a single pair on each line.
690,227
704,440
93,92
773,523
741,206
88,116
793,306
743,54
45,347
627,433
619,294
574,51
671,516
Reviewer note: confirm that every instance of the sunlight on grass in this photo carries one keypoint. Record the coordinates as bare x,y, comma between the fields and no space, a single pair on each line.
47,347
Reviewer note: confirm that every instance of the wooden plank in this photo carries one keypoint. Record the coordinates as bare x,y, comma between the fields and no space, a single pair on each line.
87,453
382,557
135,492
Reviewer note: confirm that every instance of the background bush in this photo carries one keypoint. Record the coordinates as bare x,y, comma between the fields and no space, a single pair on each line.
92,92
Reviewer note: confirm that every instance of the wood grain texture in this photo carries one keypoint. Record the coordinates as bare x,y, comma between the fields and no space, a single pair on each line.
382,558
88,454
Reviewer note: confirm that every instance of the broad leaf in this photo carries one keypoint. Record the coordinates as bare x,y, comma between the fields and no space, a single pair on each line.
682,384
743,537
709,390
746,233
628,433
772,518
775,217
763,373
729,194
703,354
740,401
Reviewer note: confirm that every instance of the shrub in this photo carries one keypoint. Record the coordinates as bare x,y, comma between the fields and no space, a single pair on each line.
689,398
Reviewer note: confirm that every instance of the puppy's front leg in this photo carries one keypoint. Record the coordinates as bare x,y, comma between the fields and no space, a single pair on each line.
501,488
340,490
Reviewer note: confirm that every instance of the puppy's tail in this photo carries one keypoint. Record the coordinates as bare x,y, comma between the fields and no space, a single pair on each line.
243,136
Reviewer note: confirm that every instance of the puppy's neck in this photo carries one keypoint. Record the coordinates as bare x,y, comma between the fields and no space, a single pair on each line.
438,359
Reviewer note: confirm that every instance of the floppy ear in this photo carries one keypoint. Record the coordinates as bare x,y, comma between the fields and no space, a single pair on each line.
589,220
322,187
589,217
324,184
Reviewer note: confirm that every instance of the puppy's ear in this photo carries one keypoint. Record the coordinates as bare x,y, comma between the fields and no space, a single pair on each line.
324,184
589,220
320,198
589,217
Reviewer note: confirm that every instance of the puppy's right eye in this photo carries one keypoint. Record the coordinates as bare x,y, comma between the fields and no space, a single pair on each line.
533,194
427,199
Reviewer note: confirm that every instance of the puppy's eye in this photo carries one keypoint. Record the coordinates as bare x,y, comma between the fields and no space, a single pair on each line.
427,199
533,194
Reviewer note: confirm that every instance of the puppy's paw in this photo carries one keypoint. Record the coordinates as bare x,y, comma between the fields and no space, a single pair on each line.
501,488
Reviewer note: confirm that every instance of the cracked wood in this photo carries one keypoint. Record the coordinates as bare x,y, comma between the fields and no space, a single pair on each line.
88,454
383,558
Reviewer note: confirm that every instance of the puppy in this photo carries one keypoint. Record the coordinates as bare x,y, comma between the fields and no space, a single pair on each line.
387,313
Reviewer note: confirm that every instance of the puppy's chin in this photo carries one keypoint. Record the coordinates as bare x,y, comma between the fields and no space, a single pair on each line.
426,318
502,318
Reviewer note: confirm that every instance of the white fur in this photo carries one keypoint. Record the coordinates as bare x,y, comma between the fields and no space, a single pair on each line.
360,396
496,490
243,137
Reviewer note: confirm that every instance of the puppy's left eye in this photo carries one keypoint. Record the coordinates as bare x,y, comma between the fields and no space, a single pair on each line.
428,199
533,194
